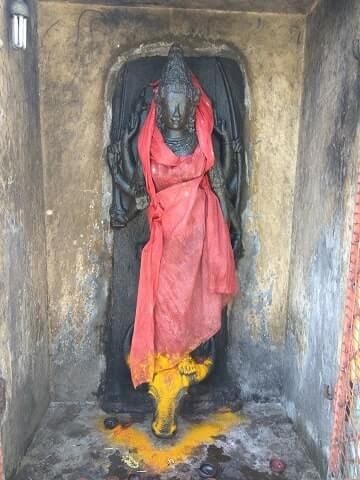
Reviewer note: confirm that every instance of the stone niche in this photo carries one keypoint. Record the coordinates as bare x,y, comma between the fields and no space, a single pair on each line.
300,111
128,79
77,81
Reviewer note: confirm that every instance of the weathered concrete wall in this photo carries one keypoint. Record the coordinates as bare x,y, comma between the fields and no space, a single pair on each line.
325,183
23,290
79,47
277,6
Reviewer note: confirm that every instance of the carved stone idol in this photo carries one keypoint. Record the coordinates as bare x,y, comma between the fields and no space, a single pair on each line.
187,272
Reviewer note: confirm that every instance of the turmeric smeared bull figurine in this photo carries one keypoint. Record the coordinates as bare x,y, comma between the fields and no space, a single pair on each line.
187,272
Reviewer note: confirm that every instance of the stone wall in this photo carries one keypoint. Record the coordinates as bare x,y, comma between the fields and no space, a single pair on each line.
80,47
301,176
23,286
275,6
324,201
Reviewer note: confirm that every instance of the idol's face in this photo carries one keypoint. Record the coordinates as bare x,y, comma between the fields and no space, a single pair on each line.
176,109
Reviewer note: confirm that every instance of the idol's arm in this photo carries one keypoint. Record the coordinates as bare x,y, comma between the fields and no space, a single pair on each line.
127,174
140,194
221,130
132,165
135,187
114,158
120,158
217,181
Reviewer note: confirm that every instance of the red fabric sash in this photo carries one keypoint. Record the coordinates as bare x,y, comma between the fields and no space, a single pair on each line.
217,261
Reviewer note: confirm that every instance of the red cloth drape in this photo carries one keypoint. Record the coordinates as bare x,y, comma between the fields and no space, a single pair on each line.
187,271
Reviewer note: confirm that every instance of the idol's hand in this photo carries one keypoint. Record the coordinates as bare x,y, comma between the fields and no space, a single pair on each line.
133,125
114,148
220,128
139,193
237,145
141,105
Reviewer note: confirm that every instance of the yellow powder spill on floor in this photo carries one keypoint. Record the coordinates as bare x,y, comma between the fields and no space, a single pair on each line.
160,458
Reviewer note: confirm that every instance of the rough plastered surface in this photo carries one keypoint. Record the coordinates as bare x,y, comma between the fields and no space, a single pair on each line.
324,200
79,47
70,445
282,6
23,321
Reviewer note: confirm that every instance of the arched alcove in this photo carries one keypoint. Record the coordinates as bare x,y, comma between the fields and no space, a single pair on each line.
224,82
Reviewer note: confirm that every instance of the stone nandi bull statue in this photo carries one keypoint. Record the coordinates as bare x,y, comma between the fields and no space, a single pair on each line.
171,384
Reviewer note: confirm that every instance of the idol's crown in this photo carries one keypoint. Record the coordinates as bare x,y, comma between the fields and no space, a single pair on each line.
176,76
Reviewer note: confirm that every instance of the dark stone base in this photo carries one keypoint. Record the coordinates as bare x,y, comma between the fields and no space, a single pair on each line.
131,402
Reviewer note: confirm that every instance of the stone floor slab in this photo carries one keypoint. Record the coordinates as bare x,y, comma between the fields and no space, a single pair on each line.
71,444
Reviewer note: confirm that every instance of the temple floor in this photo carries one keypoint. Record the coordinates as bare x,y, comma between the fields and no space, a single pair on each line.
72,444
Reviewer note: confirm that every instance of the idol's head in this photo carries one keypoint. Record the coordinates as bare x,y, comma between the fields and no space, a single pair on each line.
177,98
